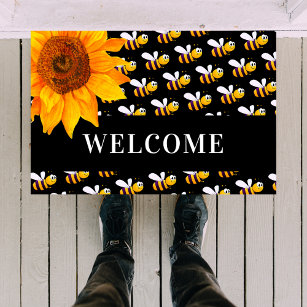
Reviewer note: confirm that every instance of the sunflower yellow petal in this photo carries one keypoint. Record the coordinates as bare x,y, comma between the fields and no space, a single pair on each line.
36,84
113,44
52,118
49,97
71,113
93,40
37,43
117,76
35,107
105,87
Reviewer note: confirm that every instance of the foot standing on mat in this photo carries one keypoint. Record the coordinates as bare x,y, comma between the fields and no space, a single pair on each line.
192,283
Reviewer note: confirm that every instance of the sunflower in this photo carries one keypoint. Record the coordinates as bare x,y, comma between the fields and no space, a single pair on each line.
68,70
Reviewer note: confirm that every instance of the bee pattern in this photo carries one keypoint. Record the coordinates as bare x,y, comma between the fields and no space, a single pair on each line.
89,190
242,70
126,69
127,112
175,82
254,42
196,103
229,96
198,33
164,109
153,61
263,90
220,49
273,177
186,55
196,177
75,177
133,42
167,36
211,114
110,101
249,188
271,61
161,183
129,188
41,183
207,76
106,173
143,89
227,174
251,111
273,103
216,191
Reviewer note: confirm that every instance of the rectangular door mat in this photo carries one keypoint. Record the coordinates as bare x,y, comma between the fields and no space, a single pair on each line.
153,112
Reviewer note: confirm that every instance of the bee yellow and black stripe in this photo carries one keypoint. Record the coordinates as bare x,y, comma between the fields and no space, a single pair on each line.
261,92
141,91
40,185
106,173
73,178
160,185
193,179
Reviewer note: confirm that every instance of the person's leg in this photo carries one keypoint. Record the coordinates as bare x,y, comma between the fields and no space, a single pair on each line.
110,281
193,283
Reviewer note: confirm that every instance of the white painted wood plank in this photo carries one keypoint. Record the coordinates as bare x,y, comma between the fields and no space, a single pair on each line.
230,240
89,240
10,173
259,250
34,283
146,286
62,250
287,222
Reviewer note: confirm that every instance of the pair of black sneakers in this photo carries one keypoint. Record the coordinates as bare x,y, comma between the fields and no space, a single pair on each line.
190,215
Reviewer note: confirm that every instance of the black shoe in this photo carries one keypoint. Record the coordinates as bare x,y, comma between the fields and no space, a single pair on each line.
191,215
116,218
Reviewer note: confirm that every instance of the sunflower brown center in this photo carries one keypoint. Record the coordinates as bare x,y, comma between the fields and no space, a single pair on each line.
64,64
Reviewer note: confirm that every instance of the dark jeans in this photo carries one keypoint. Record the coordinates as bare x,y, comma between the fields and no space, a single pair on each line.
192,283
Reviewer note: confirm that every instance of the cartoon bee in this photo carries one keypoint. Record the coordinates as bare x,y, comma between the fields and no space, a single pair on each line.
133,42
89,190
110,101
164,109
196,177
271,64
273,103
106,173
254,42
211,114
273,177
126,69
208,76
143,89
75,177
227,174
161,183
196,103
242,70
127,112
175,82
216,191
198,33
251,111
229,96
220,49
249,188
262,89
41,183
153,61
128,188
168,36
186,55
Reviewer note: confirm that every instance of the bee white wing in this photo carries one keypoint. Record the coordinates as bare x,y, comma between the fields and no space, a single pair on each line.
190,97
157,103
163,32
255,83
272,177
201,70
273,103
35,177
252,108
244,110
242,62
168,76
208,190
126,36
241,184
122,183
230,87
213,43
180,49
234,63
274,55
71,173
43,174
188,48
96,188
223,90
197,95
155,55
129,182
89,190
217,189
263,81
246,36
209,114
249,182
221,41
162,175
136,83
132,108
154,177
267,57
219,113
124,110
134,35
147,56
176,74
164,102
143,81
209,68
190,173
254,35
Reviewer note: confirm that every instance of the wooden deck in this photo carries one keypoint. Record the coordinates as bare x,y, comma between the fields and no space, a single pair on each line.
256,244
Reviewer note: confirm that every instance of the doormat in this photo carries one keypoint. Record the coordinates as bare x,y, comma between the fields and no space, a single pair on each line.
153,112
